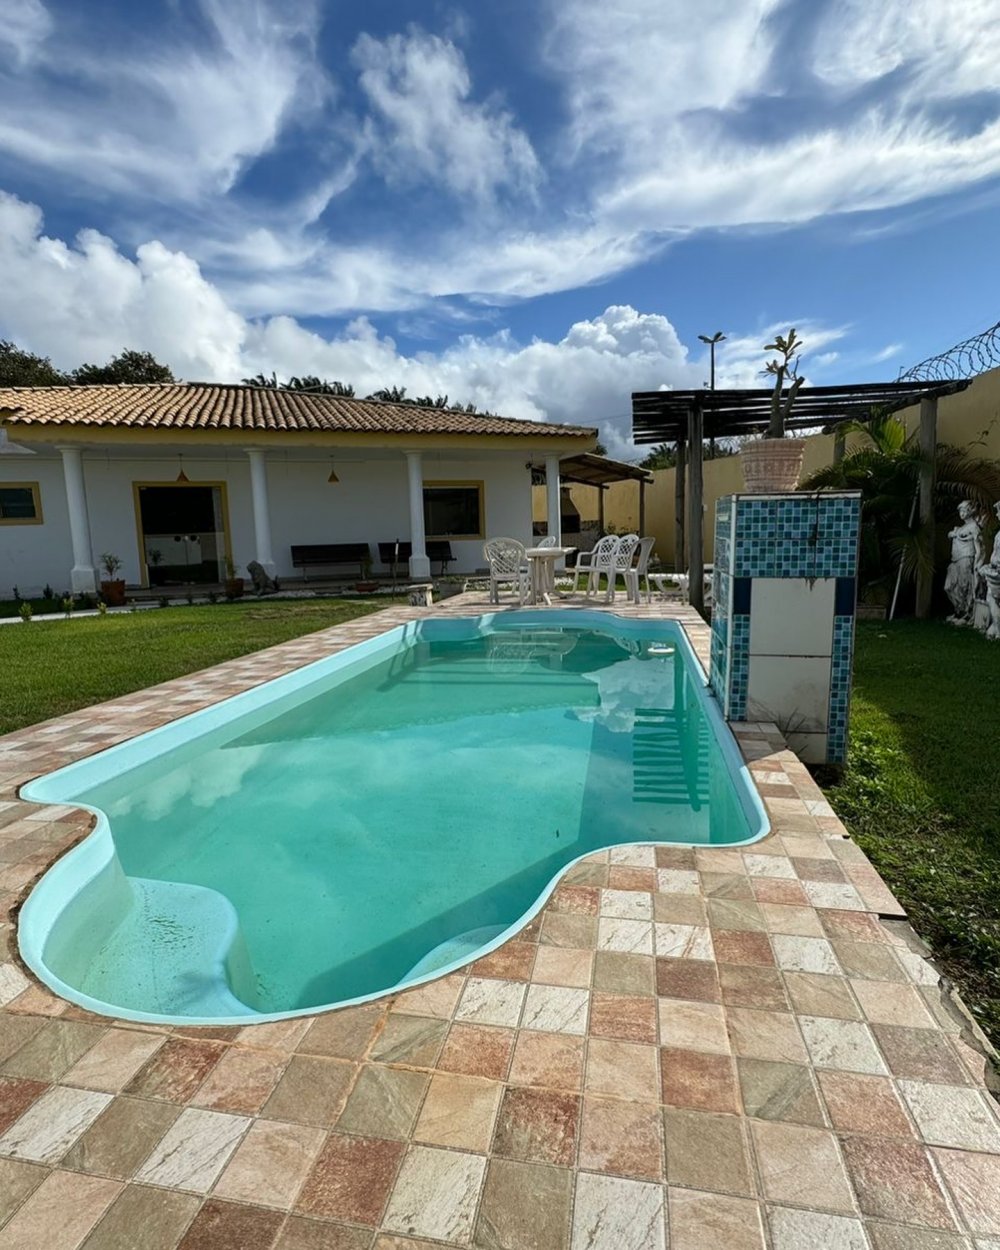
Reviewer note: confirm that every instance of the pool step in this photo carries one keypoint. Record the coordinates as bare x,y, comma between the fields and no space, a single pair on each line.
178,950
454,950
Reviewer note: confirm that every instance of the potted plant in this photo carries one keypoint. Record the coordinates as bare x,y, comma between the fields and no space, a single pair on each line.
366,585
454,584
233,584
112,587
772,464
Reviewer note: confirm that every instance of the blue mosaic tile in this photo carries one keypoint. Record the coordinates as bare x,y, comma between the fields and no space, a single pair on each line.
739,668
838,715
791,536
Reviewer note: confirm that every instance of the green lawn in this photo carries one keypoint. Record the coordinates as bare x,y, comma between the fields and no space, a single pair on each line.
48,668
921,793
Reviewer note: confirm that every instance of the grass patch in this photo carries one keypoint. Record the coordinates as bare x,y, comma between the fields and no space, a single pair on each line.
52,667
921,793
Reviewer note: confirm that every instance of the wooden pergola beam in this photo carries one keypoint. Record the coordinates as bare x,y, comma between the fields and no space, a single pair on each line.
696,511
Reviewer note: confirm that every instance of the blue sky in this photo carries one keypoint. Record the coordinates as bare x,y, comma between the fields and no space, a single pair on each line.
533,204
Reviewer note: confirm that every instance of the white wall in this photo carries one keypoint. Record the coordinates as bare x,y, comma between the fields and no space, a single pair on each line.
368,504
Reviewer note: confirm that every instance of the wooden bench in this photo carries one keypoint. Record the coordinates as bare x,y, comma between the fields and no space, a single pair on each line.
324,555
397,554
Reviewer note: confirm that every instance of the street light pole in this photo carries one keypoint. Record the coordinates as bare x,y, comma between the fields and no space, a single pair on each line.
711,340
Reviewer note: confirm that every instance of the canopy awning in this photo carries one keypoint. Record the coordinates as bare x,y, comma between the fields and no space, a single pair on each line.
662,416
592,470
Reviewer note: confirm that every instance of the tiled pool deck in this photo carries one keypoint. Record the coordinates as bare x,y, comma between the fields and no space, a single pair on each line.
700,1049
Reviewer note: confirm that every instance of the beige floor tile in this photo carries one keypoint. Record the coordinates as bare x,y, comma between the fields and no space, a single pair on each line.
809,1230
974,1180
844,1044
693,1026
242,1080
804,954
886,1002
459,1111
801,1166
765,1035
65,1206
556,1009
700,1221
953,1115
270,1164
437,998
707,1152
621,1069
524,1205
115,1059
162,1215
556,965
122,1137
384,1102
436,1194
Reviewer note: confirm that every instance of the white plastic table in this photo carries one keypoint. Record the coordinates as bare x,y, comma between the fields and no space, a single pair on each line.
542,562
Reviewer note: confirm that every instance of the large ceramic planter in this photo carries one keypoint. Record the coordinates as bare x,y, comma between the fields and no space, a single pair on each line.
234,588
772,466
113,593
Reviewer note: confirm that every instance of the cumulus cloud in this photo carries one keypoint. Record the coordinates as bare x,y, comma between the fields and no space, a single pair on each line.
425,126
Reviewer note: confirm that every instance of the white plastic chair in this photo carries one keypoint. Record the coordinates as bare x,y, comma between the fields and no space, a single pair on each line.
505,556
622,563
548,541
591,564
640,571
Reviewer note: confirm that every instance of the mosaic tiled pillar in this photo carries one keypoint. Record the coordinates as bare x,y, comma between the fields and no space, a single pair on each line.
785,585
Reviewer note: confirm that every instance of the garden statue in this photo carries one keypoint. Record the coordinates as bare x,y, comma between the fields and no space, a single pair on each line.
966,556
262,584
989,571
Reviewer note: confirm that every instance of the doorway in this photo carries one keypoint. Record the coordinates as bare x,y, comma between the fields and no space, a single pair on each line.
183,534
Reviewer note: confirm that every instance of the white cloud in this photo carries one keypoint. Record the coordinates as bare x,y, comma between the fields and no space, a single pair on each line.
163,115
25,25
425,125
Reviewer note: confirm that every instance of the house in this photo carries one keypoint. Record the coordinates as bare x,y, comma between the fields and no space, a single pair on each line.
176,478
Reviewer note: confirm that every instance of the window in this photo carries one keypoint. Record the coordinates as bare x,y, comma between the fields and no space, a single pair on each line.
453,509
20,503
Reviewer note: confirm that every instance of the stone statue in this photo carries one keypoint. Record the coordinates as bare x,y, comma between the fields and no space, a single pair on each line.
966,555
262,584
989,571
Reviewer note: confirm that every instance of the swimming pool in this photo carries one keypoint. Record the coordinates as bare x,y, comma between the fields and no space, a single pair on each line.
377,818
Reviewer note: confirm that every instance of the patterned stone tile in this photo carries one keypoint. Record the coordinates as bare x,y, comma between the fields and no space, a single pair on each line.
550,1059
413,1040
270,1164
621,1138
162,1214
765,1035
694,980
628,1018
122,1137
622,973
610,1213
344,1034
801,1166
524,1205
176,1070
621,1069
555,1009
65,1204
45,1132
779,1091
697,1081
919,1054
194,1150
700,1221
232,1226
538,1126
351,1179
804,1230
693,1026
863,1104
974,1180
707,1152
384,1102
847,1045
436,1194
894,1180
953,1115
748,985
477,1050
488,1001
556,965
311,1091
459,1111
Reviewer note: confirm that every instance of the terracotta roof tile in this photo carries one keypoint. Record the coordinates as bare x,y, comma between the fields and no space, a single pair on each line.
214,406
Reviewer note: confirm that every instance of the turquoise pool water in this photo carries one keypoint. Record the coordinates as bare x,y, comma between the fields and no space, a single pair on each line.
377,817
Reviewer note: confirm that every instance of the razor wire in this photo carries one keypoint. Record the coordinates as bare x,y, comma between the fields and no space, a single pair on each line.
964,360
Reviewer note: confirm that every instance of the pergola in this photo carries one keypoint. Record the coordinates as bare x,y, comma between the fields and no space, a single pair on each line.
589,469
687,418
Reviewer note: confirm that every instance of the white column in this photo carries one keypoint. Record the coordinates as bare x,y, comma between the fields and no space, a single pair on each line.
82,579
420,566
261,511
552,499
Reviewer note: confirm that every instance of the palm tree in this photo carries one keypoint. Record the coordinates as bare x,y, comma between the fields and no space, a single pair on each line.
885,468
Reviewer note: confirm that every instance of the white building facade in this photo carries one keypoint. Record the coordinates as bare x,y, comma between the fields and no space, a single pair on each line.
177,479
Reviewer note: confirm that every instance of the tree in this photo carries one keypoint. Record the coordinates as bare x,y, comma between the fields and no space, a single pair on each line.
308,382
21,368
885,468
663,456
127,366
600,449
